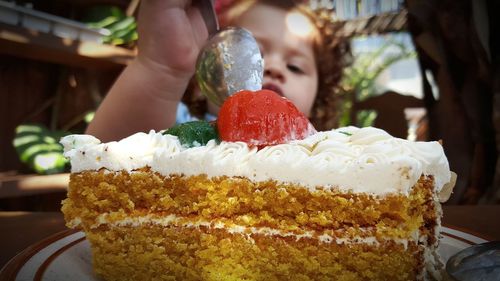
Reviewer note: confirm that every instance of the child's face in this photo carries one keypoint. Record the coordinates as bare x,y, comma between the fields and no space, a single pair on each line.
289,62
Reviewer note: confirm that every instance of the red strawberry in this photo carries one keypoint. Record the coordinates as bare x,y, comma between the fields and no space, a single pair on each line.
261,118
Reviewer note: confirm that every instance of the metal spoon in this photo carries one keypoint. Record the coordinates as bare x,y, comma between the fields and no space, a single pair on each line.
478,262
229,62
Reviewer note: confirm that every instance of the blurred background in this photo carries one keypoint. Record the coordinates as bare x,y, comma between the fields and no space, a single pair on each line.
421,70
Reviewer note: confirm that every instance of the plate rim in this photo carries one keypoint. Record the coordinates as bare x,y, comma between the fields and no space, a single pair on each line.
46,263
11,269
467,231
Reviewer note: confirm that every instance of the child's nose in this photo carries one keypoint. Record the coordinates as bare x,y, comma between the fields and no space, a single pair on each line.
273,71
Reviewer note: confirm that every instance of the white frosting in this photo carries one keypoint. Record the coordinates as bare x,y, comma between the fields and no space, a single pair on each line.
362,160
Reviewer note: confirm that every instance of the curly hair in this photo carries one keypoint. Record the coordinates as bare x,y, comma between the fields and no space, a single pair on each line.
332,55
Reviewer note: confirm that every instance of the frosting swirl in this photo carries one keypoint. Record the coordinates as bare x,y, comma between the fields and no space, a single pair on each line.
366,160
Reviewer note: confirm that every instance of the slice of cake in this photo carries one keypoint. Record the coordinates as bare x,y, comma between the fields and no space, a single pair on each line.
346,204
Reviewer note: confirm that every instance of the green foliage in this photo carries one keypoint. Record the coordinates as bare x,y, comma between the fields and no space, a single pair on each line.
358,81
39,148
194,133
345,133
88,117
366,118
123,28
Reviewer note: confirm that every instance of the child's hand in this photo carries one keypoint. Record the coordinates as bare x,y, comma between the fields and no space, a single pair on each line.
147,93
171,34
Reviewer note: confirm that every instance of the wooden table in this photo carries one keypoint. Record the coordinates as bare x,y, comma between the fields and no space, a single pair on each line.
19,230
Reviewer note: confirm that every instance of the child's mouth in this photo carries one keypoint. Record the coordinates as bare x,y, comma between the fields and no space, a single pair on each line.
272,87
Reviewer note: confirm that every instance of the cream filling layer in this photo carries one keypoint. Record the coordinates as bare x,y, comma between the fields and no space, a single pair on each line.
173,220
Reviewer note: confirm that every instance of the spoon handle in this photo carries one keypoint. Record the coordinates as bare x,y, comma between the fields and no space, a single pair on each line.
208,13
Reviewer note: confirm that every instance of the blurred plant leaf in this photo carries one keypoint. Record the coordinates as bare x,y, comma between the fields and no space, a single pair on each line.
100,12
40,149
359,79
122,24
366,117
89,116
123,28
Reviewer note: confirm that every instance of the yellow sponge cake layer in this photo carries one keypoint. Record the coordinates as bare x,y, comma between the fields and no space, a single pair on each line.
171,253
266,204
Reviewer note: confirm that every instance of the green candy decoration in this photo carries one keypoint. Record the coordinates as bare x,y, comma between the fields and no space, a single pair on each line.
345,133
194,133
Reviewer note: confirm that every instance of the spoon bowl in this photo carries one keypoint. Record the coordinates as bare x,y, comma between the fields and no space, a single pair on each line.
229,62
478,262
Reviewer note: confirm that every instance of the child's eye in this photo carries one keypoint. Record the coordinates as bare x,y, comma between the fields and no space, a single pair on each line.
295,69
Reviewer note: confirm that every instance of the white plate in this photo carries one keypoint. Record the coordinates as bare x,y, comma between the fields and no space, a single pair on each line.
66,256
